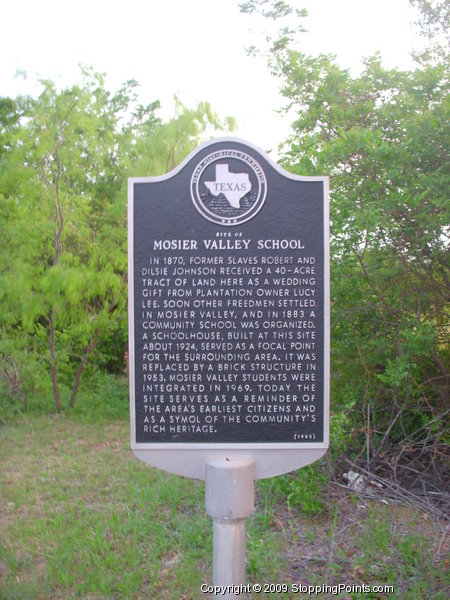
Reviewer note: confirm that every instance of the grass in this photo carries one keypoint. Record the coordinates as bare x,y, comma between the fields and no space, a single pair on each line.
80,517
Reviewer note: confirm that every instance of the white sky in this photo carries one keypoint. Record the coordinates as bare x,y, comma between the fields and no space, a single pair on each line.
194,48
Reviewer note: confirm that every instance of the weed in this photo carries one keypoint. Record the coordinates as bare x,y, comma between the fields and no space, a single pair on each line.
398,557
304,489
263,562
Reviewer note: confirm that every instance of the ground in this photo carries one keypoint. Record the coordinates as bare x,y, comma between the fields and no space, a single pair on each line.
80,517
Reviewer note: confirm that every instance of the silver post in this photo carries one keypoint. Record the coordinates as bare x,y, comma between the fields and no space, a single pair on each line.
229,500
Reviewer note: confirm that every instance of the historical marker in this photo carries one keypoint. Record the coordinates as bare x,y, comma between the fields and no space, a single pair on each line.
229,313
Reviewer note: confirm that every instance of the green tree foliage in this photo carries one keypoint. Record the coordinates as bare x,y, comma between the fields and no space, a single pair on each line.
433,23
65,161
383,138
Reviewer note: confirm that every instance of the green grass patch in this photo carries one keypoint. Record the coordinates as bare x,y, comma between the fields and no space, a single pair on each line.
401,554
81,517
304,489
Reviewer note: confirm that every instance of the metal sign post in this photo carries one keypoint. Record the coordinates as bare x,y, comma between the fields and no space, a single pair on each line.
228,327
229,500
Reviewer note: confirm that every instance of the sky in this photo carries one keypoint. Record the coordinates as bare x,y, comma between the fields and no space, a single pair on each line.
192,48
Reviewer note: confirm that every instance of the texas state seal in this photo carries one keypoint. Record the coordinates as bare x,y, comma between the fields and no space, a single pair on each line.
228,187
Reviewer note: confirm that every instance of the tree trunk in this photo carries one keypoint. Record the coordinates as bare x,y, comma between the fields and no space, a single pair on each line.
57,245
53,366
89,350
87,353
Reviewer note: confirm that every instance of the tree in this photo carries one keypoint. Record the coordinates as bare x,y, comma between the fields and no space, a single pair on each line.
433,22
383,137
64,203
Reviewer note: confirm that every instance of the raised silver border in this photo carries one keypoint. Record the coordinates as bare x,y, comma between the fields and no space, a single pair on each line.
270,458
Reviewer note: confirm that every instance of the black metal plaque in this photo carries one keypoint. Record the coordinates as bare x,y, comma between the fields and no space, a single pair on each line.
228,273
